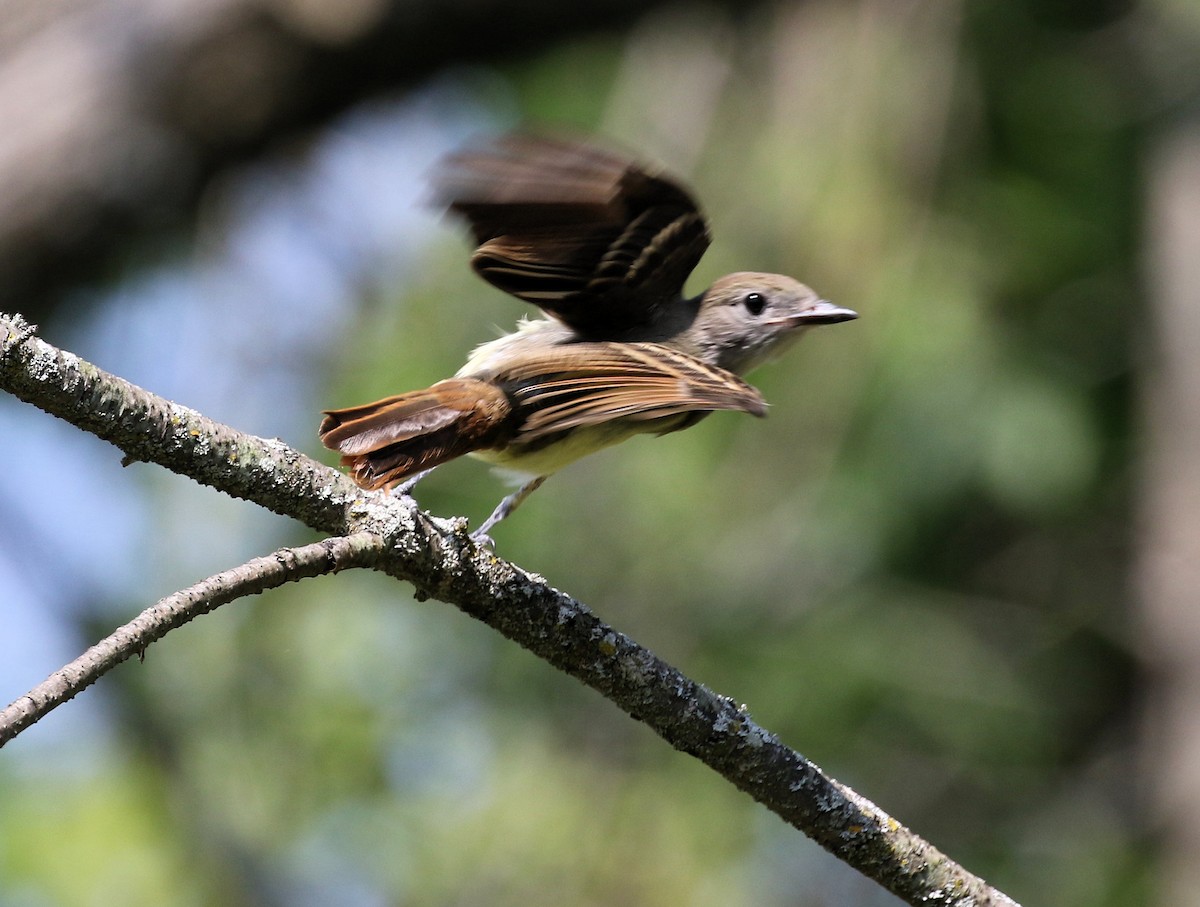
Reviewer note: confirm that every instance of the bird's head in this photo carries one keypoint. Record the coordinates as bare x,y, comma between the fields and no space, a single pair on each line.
747,318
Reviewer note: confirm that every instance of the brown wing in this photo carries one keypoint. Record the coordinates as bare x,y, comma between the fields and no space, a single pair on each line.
588,235
594,383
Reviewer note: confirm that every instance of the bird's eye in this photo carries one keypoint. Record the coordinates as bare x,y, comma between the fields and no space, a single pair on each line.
755,303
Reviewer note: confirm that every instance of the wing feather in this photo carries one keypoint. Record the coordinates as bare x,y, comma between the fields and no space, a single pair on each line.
593,383
592,237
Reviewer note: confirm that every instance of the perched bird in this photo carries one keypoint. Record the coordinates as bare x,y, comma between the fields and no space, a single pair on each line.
602,245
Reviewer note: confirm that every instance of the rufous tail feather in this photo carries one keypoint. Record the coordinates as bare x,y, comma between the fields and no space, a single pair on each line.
389,440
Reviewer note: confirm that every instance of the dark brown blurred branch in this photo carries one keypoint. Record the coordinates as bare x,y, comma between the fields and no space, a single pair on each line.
440,559
117,113
1170,503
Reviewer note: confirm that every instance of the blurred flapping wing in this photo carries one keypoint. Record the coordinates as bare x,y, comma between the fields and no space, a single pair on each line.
590,236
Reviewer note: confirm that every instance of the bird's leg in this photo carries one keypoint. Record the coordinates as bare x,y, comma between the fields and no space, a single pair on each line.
404,489
504,508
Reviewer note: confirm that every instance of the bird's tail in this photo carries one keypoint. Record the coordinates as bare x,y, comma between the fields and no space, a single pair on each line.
389,440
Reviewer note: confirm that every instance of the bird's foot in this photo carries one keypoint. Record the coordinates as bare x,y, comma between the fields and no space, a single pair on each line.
503,509
483,540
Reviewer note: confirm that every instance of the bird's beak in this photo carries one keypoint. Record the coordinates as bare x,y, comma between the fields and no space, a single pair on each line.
823,312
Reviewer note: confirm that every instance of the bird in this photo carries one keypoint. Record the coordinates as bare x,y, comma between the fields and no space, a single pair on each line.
602,243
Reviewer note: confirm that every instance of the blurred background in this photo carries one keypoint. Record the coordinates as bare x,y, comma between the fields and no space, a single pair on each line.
957,566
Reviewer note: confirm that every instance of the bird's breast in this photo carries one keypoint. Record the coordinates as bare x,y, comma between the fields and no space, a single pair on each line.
548,455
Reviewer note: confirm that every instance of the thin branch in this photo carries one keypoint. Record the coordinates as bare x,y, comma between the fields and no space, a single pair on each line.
440,559
286,565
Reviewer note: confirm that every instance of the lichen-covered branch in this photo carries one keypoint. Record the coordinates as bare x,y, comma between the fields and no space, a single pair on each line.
284,566
440,559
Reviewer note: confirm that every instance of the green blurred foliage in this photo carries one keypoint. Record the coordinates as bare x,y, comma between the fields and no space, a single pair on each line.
915,571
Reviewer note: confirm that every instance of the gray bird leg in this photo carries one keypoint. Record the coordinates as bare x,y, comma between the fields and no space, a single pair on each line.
404,489
505,507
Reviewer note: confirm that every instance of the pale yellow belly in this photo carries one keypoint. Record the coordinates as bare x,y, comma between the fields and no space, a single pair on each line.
543,461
